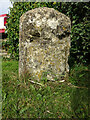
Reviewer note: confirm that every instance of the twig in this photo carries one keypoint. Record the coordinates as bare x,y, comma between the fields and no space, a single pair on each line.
49,112
36,83
62,81
51,80
76,86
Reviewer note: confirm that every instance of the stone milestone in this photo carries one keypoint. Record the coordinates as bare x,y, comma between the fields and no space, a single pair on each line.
44,43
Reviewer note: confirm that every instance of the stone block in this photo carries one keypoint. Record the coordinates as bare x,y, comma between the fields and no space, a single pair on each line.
44,43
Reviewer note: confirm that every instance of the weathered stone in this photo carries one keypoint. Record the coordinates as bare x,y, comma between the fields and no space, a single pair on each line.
44,43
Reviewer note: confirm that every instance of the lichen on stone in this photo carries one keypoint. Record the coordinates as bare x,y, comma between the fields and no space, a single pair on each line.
44,43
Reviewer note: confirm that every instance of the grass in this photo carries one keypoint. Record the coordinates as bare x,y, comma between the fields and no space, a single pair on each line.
23,99
79,75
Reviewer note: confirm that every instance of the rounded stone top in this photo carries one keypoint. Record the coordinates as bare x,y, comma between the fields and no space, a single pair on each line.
44,17
45,11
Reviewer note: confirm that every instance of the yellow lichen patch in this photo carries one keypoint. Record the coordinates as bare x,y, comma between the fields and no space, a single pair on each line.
43,62
64,28
27,59
58,42
38,27
53,55
49,48
57,65
52,63
39,74
46,51
39,60
40,57
30,49
59,69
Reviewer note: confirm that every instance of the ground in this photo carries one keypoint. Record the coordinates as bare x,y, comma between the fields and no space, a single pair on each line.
23,99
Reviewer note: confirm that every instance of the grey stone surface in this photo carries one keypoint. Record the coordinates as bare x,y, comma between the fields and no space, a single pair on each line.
44,43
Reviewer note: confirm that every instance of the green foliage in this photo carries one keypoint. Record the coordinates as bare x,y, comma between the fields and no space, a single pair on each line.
79,15
13,27
80,43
